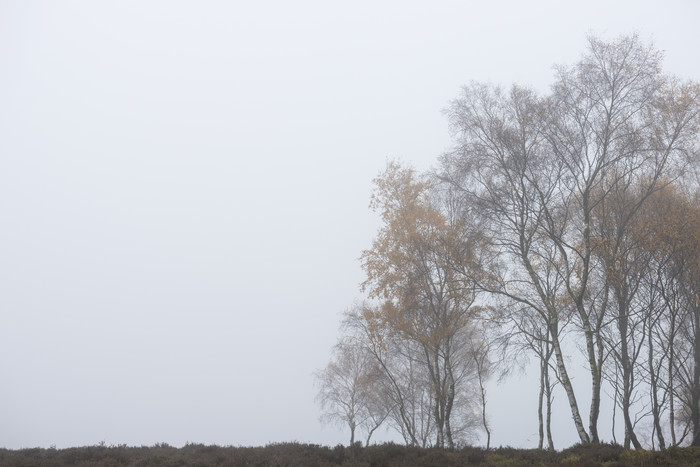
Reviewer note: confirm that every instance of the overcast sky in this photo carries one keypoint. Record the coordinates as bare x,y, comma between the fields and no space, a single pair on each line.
184,193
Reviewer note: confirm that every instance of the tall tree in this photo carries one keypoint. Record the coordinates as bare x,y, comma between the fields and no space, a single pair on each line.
671,223
510,182
424,299
538,168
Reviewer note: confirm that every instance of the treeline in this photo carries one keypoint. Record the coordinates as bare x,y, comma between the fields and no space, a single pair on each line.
558,221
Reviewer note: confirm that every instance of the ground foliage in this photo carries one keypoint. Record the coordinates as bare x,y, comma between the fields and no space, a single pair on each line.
296,454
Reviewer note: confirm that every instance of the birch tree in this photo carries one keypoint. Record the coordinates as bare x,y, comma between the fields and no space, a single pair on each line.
538,167
350,390
423,298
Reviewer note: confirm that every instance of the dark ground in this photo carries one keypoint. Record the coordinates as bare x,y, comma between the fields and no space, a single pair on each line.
294,454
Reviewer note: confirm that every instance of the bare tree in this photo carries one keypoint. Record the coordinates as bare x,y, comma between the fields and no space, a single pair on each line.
539,169
674,221
555,218
403,385
349,390
504,174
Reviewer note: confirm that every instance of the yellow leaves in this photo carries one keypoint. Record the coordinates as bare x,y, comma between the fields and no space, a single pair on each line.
669,224
416,263
398,190
412,227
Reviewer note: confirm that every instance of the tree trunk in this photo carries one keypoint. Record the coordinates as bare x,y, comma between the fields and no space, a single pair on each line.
548,395
695,389
568,388
448,411
627,391
626,363
671,358
653,381
540,419
595,387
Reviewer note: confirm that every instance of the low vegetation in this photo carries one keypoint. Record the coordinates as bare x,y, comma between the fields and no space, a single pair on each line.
295,454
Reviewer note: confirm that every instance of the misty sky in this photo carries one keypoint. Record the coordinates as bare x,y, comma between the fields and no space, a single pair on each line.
184,191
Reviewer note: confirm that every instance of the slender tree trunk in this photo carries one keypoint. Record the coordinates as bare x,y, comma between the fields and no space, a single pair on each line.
482,388
614,412
671,389
369,435
596,377
548,395
407,425
695,390
540,419
653,380
448,409
597,369
439,425
483,414
621,298
586,323
554,333
568,388
626,384
439,399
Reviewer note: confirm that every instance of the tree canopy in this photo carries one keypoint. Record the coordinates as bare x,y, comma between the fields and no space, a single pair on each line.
562,217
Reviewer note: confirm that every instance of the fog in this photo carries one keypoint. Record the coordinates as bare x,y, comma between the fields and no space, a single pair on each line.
184,192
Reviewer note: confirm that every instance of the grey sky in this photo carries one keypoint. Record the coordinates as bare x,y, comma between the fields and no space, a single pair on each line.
184,191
